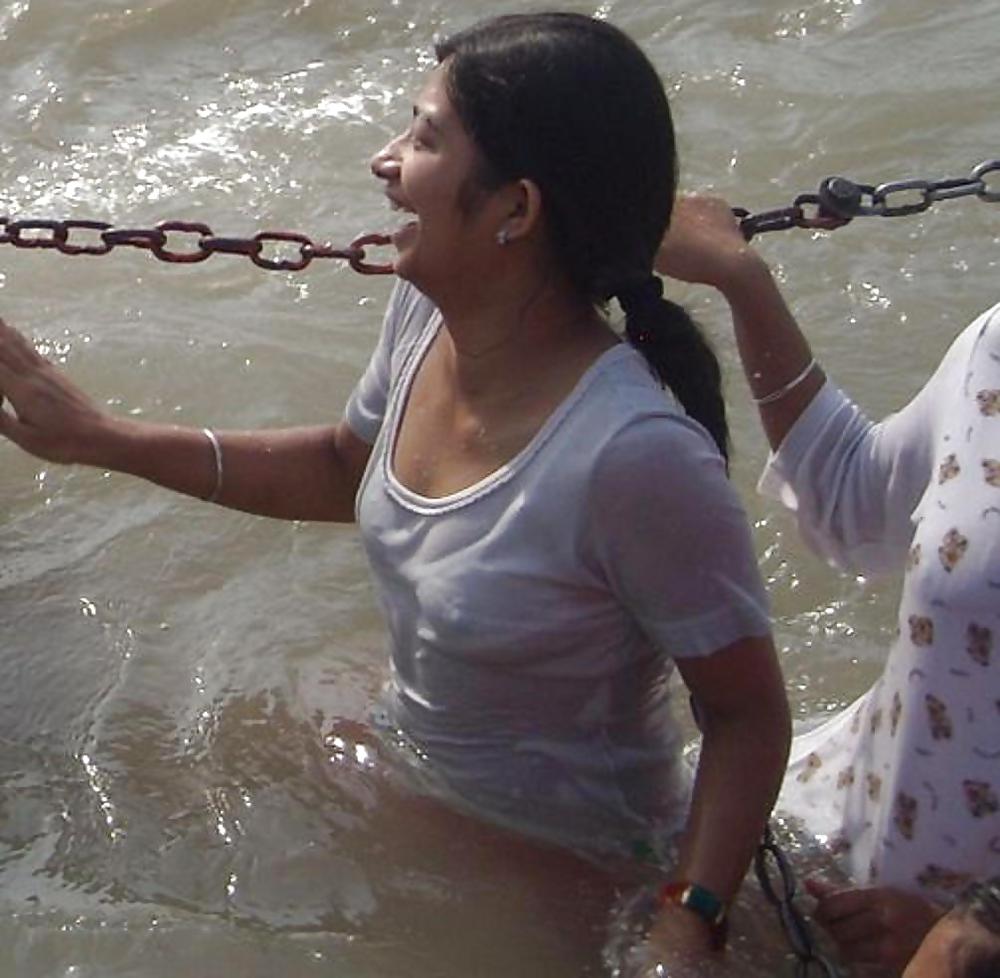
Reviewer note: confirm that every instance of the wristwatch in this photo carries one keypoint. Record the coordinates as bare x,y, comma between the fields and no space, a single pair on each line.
702,902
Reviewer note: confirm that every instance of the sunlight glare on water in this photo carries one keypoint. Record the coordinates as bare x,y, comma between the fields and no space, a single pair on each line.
187,784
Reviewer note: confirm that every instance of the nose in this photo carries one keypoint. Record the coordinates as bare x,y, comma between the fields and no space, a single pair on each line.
385,163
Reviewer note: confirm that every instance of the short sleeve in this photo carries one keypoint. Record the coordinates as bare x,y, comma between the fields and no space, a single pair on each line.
854,485
406,316
367,404
672,538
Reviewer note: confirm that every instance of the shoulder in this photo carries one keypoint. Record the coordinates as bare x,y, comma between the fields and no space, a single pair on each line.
979,340
983,334
648,454
988,321
639,428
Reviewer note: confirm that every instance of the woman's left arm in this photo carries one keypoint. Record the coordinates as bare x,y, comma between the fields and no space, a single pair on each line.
675,546
739,696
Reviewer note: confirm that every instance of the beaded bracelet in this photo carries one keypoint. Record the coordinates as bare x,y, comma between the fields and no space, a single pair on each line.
213,440
789,387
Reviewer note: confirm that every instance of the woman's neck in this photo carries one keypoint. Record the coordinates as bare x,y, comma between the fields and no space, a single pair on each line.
520,336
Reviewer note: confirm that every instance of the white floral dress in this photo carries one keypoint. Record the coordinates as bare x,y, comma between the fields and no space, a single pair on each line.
905,783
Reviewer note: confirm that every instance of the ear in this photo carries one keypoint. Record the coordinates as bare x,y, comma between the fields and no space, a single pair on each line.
521,209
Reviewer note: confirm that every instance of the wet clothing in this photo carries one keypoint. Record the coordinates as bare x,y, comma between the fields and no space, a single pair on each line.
906,781
534,616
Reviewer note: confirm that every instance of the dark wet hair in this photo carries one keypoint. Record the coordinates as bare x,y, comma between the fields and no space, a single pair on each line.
981,902
572,104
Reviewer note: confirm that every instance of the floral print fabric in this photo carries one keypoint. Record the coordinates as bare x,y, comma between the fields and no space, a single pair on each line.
905,783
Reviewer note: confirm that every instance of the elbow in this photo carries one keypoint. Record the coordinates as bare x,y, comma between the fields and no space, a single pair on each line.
760,730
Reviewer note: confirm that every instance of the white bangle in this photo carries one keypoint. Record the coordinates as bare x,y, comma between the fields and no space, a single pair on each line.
789,387
213,439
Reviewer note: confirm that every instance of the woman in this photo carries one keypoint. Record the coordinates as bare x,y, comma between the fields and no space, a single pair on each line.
904,782
550,531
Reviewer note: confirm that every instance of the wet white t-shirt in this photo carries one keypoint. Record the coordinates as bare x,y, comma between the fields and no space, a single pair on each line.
906,782
534,616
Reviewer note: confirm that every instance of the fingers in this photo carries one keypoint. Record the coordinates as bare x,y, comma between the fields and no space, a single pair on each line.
704,244
8,378
704,208
838,903
819,888
18,360
47,415
8,340
869,925
859,928
9,426
16,351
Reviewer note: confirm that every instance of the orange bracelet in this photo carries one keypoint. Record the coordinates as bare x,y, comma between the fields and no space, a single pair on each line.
702,902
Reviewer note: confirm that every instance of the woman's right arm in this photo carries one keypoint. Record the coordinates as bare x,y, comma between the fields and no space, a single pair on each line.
705,246
852,484
299,473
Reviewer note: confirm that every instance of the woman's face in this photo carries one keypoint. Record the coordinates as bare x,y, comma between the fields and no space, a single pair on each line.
424,170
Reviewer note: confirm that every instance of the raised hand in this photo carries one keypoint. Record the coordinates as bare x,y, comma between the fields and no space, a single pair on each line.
704,244
51,417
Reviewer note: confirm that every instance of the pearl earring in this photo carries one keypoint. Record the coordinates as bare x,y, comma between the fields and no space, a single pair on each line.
503,237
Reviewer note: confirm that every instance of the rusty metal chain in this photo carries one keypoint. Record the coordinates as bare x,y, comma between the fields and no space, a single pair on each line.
838,200
793,923
79,237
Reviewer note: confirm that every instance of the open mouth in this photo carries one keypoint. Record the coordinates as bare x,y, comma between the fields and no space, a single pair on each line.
410,223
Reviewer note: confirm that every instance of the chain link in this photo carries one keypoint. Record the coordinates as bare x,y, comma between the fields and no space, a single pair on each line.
836,202
793,923
185,242
839,200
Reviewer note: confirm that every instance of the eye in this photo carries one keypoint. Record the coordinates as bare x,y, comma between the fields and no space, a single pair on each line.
418,136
